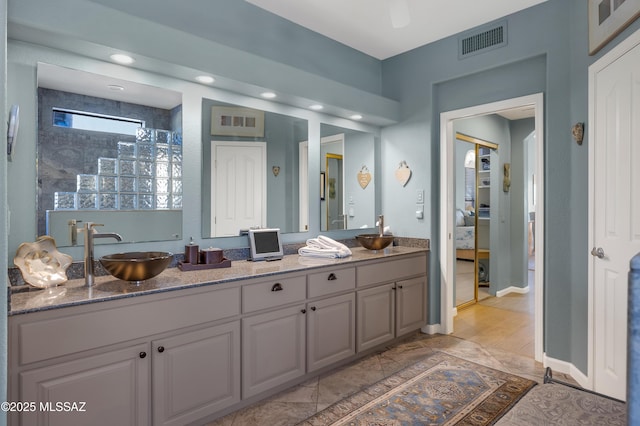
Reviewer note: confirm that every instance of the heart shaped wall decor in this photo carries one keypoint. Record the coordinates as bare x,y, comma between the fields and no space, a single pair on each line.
364,177
403,173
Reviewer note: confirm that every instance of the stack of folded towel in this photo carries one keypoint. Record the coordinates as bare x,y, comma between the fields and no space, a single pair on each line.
324,247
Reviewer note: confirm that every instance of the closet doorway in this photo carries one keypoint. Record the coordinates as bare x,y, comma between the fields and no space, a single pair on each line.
475,182
533,103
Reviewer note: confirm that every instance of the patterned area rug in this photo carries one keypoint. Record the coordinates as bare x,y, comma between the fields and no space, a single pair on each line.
439,390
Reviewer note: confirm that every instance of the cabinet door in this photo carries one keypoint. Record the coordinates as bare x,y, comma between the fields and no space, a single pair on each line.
411,312
376,314
331,332
111,388
196,374
273,349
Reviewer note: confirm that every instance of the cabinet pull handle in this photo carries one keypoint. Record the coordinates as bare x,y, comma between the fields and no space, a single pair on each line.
143,354
160,349
400,287
313,308
332,277
393,288
304,311
277,287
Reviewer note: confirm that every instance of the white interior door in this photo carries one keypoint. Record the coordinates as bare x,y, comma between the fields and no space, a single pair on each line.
615,210
239,179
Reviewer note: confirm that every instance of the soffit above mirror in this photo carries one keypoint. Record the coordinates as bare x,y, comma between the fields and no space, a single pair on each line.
101,86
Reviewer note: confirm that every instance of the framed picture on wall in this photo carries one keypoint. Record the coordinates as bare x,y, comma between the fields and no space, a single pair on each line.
237,121
607,18
323,185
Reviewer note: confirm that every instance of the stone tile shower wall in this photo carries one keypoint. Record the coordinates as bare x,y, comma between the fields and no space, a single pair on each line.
118,166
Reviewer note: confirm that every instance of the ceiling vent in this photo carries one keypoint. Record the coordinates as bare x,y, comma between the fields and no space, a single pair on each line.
482,40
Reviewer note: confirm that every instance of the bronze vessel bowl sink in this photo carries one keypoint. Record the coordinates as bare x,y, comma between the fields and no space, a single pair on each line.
136,265
374,241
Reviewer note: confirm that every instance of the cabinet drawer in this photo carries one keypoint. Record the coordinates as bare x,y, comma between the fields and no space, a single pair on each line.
272,293
393,270
93,329
331,281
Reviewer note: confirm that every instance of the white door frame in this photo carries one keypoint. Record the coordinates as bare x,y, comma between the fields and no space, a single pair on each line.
447,198
303,185
618,51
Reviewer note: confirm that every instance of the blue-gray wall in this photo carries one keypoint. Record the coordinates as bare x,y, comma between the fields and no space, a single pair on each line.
547,52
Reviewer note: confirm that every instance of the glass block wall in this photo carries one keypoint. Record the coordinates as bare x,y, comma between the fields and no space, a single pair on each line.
146,175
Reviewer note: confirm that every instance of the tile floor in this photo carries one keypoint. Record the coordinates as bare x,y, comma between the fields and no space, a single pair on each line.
481,336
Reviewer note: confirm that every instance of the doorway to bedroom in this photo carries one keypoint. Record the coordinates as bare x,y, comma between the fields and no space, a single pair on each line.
515,206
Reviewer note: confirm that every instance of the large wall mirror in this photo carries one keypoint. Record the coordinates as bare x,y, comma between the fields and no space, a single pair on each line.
347,165
254,170
109,151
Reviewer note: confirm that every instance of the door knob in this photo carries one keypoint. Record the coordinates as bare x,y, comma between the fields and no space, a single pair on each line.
597,252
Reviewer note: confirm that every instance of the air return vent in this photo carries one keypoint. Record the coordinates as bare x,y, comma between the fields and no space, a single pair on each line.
483,39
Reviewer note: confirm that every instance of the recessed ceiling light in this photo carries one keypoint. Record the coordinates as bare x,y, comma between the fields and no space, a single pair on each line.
207,79
115,88
122,59
268,95
356,117
316,107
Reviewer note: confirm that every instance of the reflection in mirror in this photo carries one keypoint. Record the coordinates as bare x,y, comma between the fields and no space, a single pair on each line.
254,170
334,198
347,161
465,279
109,151
473,206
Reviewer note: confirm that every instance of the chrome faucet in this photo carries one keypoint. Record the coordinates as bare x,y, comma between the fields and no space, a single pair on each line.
89,234
381,225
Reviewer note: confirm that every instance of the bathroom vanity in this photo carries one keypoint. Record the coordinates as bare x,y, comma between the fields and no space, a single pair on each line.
191,346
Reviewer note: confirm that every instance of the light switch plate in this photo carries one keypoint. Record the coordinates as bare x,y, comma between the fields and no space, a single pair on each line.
420,196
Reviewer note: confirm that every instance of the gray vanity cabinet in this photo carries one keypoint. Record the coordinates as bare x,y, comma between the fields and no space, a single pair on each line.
109,388
195,374
170,358
411,313
188,356
273,339
391,299
273,349
331,330
285,343
376,316
331,321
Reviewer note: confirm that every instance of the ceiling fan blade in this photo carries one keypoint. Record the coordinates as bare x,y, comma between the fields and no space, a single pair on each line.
399,12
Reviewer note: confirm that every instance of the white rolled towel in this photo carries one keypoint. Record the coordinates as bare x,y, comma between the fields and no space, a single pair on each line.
324,247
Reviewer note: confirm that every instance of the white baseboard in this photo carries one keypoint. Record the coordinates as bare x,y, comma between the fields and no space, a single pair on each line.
512,289
431,329
565,367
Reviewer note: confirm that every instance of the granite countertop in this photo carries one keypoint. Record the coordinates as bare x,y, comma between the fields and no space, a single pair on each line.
74,292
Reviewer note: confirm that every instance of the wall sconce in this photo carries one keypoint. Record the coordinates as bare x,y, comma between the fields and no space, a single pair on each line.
578,132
